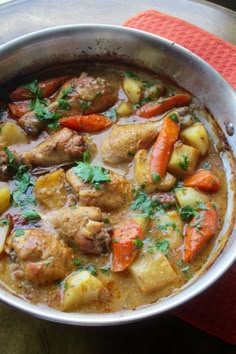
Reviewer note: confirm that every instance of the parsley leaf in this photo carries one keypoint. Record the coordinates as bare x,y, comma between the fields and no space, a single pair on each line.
84,105
206,165
145,204
138,243
187,212
131,75
31,215
156,177
78,262
23,185
163,246
33,88
174,117
171,224
91,174
18,233
4,222
184,163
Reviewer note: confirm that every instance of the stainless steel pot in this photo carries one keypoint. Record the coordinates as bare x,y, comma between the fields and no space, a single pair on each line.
70,43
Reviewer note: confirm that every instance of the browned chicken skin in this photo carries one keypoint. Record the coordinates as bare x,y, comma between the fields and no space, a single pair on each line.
125,140
66,145
43,258
83,226
86,95
111,195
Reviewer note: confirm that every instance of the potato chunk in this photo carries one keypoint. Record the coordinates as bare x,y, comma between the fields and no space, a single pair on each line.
81,288
196,136
143,175
169,226
5,196
12,134
190,196
50,190
133,89
183,160
124,109
152,271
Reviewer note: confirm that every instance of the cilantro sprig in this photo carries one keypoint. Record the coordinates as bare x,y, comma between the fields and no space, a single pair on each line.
92,174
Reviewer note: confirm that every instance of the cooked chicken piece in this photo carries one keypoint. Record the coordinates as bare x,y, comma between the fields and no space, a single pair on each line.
3,166
83,226
31,124
43,258
88,95
111,195
125,140
79,95
63,146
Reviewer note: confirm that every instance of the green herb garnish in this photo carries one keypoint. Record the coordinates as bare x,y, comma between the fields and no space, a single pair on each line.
131,75
184,163
4,222
138,243
163,246
31,215
156,177
91,174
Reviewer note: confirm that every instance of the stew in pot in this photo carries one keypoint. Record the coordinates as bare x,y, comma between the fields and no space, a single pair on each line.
112,191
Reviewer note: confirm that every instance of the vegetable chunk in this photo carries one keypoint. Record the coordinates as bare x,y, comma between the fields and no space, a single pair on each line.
81,288
50,190
183,160
190,196
152,271
12,134
133,89
5,197
196,136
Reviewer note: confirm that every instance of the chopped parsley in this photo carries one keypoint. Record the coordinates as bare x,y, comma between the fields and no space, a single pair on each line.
148,84
198,221
4,222
171,224
84,105
18,233
131,75
185,269
105,270
174,117
184,163
156,177
145,204
138,243
91,174
62,101
20,195
78,262
86,156
187,212
163,246
31,215
33,88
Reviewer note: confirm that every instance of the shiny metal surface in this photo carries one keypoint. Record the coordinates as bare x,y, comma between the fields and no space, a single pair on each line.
60,45
24,16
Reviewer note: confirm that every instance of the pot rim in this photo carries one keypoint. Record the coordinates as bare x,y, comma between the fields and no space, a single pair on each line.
222,263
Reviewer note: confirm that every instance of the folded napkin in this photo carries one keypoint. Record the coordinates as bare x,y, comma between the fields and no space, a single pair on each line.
218,53
214,311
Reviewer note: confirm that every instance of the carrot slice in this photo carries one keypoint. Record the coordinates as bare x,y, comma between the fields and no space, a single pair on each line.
124,248
18,109
162,148
89,123
48,87
204,180
199,231
152,109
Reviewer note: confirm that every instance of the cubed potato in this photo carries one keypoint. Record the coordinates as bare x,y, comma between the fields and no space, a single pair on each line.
196,136
183,160
50,190
143,175
171,228
152,271
12,134
133,89
81,288
5,229
124,109
5,196
190,196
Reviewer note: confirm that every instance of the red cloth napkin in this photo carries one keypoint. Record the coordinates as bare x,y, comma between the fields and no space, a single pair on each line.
214,311
218,53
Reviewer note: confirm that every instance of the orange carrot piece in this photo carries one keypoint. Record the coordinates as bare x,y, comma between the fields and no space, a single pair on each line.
204,180
18,109
48,87
124,249
162,148
89,123
151,109
199,231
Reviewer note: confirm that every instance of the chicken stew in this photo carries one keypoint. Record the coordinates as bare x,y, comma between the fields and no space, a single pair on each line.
112,191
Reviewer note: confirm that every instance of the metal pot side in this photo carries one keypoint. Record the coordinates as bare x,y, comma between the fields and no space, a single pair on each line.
61,45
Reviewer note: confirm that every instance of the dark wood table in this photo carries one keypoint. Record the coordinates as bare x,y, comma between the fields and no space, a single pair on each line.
23,334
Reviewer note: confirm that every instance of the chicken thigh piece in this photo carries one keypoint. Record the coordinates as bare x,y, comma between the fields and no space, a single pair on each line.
66,145
110,196
79,95
42,258
82,226
125,140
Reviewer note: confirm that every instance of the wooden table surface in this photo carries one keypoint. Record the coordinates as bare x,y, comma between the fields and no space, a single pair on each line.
23,334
